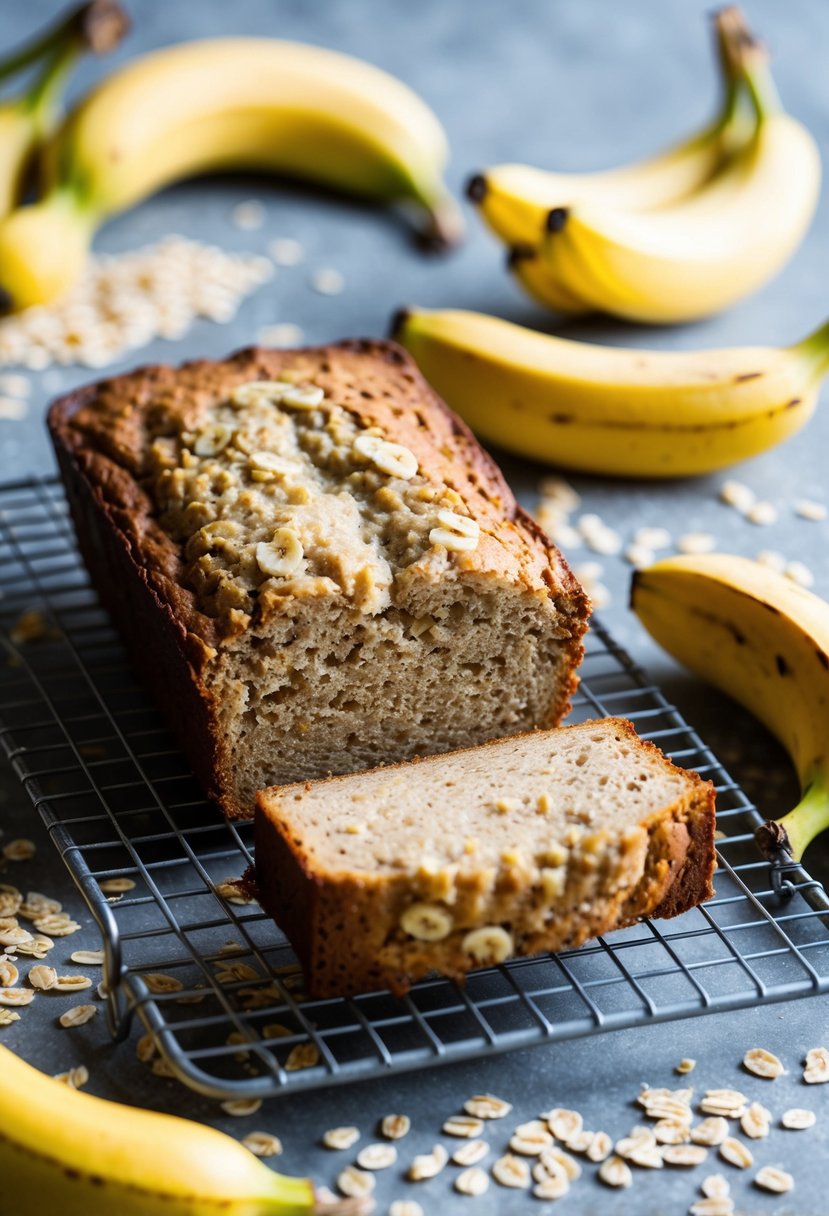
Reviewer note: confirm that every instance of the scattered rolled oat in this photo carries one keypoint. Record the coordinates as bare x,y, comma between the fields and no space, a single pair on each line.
601,1146
530,1139
340,1137
771,1179
772,559
395,1127
9,975
736,1153
161,1067
405,1207
12,385
240,1108
564,1124
72,983
285,251
15,937
304,1055
615,1172
7,1016
581,1142
639,556
716,1206
327,282
117,886
262,1144
283,334
75,1078
816,1070
672,1131
473,1181
463,1125
58,925
652,538
19,850
553,1186
736,494
797,1119
511,1171
685,1066
762,513
16,996
87,958
554,1159
158,983
809,509
715,1186
10,900
799,573
470,1153
248,216
727,1102
696,542
234,891
34,947
355,1183
684,1154
77,1016
710,1131
756,1122
486,1106
36,905
763,1063
376,1156
145,1048
641,1138
427,1165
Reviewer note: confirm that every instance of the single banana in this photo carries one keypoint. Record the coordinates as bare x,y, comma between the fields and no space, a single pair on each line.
27,121
232,103
707,251
514,199
765,642
68,1153
602,409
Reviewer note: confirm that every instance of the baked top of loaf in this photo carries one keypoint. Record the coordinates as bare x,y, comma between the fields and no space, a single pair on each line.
535,842
278,474
314,564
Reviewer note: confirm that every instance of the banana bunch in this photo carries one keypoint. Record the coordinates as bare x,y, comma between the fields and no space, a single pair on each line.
230,103
26,121
608,410
676,237
765,642
66,1152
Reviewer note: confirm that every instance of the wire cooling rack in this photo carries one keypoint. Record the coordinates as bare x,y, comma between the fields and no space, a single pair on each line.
231,1019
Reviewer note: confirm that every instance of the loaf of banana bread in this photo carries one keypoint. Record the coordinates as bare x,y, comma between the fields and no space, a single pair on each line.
313,563
522,845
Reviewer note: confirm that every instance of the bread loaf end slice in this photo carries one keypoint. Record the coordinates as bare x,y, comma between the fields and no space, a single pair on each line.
533,843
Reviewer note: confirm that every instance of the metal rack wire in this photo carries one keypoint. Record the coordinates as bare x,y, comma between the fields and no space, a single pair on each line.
120,802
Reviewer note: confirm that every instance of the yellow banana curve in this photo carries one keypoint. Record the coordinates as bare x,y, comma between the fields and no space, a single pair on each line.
525,264
762,640
628,413
231,103
68,1152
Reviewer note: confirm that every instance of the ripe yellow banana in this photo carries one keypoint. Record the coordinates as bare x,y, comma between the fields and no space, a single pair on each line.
26,121
706,251
514,199
227,103
525,264
627,413
68,1153
765,642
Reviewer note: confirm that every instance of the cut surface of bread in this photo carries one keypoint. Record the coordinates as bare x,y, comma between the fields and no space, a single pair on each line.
314,564
532,843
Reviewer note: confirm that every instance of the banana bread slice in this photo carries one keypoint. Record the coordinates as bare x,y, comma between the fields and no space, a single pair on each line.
521,845
315,566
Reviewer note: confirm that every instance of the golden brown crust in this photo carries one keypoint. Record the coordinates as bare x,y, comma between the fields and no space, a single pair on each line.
339,924
102,435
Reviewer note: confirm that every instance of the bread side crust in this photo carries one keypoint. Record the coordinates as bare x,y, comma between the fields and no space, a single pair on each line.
99,432
339,923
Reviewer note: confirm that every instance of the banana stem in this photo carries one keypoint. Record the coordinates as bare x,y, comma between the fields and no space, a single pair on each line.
97,26
815,350
796,830
41,99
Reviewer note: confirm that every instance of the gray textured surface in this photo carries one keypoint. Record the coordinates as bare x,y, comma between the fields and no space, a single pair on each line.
576,85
